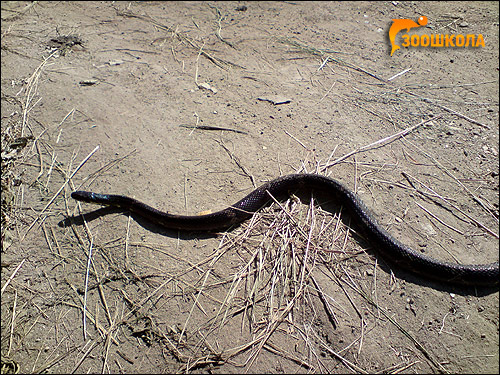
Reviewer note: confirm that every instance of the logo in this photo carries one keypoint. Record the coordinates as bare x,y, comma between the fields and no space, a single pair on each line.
433,40
398,25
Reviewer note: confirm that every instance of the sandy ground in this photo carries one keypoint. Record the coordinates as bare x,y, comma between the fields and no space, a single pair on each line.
104,96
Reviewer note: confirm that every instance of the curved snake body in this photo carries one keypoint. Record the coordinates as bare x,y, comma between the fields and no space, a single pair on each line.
390,248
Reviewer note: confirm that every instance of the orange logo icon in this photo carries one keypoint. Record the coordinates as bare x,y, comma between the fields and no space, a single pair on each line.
400,24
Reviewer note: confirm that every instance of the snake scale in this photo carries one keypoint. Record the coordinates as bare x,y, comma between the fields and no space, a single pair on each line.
387,246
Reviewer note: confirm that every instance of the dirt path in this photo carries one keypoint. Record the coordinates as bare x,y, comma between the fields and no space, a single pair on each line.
122,97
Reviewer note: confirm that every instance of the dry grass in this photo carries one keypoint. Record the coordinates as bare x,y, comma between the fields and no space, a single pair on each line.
288,255
270,280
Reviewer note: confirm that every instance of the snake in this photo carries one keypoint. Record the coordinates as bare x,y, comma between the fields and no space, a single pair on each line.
389,248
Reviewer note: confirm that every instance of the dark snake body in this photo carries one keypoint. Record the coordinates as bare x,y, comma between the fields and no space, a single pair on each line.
390,248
